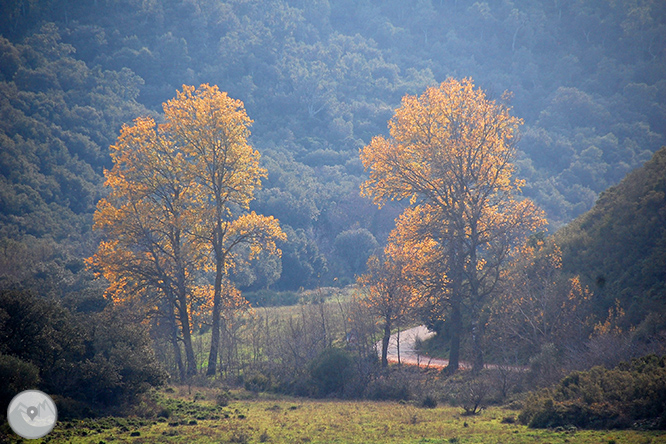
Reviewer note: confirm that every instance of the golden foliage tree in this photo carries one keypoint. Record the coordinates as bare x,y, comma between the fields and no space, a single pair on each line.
388,293
450,152
148,224
212,129
179,205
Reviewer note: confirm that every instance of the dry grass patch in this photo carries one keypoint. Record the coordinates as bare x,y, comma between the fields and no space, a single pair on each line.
293,420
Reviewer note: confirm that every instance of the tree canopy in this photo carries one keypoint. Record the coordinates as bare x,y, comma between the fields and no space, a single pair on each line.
179,202
451,153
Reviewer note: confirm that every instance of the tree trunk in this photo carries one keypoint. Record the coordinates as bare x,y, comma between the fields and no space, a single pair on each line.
176,346
455,328
455,332
397,345
182,294
187,337
215,329
477,333
217,303
385,344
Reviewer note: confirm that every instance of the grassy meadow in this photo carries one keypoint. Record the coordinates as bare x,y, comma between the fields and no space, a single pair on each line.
195,415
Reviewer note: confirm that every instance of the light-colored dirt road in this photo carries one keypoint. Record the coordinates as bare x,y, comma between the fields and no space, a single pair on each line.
409,356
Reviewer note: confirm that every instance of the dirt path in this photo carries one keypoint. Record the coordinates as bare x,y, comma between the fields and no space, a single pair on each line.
409,356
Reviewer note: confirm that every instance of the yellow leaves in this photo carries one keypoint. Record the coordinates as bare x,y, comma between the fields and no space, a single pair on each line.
212,129
578,294
610,325
450,152
213,108
388,292
448,141
201,304
258,232
257,227
170,187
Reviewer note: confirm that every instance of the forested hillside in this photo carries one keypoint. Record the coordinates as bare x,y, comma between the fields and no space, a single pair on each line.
619,246
319,79
593,292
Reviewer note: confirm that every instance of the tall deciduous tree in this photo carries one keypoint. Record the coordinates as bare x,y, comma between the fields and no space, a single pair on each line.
389,294
212,129
148,224
450,152
180,193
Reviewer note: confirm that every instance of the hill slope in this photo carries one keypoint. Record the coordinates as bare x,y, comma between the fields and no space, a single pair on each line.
619,246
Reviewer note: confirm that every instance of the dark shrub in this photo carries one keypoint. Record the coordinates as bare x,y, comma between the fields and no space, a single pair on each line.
222,398
259,382
16,375
69,408
98,359
602,398
429,402
385,389
331,371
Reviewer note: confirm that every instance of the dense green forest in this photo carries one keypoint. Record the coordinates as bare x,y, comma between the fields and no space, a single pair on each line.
319,79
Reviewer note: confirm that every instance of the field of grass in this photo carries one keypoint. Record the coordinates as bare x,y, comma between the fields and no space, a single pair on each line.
193,416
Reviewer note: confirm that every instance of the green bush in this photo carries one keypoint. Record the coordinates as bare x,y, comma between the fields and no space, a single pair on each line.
631,393
331,371
16,375
98,359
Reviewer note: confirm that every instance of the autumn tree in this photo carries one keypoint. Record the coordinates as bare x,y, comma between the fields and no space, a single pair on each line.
425,267
178,206
388,293
212,129
149,252
538,304
450,152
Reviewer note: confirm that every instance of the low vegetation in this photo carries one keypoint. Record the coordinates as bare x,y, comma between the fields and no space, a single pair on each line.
179,414
630,395
86,361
